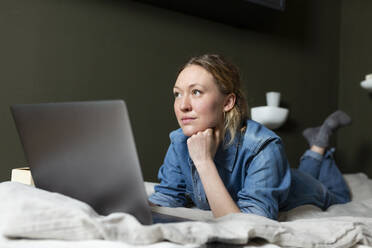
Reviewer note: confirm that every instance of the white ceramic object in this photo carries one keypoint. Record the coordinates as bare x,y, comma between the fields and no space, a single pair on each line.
367,84
273,98
270,116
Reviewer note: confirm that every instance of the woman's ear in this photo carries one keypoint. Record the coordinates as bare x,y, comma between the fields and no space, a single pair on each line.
229,102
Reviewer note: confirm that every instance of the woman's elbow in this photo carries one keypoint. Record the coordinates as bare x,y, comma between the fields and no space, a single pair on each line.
260,212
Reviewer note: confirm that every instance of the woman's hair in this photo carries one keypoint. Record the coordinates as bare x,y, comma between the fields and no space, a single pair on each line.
226,76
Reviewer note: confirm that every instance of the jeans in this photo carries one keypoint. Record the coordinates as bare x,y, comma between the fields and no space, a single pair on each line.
317,181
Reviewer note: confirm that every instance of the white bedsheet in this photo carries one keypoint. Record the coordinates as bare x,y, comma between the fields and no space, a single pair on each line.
31,217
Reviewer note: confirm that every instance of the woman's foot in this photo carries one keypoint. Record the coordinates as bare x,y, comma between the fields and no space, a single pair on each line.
320,136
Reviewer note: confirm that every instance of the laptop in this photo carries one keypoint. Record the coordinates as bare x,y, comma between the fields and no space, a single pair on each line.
86,150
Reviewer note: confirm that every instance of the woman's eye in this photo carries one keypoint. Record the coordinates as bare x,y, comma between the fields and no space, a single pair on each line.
176,94
196,92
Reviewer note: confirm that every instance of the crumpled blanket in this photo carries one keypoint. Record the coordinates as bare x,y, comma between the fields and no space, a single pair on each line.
31,213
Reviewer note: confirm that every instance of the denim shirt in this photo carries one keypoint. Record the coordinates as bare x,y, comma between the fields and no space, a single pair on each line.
254,169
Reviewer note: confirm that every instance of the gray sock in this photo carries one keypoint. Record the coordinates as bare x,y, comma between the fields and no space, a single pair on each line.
310,134
320,136
337,119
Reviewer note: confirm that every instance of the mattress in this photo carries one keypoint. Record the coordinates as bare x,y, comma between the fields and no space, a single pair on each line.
31,217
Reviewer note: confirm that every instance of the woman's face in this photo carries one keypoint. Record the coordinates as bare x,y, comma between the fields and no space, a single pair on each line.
198,103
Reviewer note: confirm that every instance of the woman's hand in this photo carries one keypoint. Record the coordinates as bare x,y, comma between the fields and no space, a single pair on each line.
202,146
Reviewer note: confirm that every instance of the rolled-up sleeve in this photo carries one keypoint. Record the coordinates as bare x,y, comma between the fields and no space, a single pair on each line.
267,181
171,190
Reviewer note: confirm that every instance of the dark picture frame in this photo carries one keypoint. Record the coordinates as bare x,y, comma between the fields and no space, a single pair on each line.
239,13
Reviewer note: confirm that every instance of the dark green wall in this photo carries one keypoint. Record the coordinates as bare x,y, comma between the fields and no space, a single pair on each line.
63,50
355,143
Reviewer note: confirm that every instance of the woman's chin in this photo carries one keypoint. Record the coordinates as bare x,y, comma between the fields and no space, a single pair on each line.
188,131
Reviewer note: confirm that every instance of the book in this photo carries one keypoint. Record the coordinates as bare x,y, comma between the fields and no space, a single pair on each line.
22,175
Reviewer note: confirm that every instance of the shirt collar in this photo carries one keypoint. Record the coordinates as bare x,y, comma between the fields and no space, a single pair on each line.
226,155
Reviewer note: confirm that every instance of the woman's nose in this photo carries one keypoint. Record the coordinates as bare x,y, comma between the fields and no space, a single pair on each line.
185,104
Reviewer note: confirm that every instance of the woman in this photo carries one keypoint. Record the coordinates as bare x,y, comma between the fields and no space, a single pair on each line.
222,161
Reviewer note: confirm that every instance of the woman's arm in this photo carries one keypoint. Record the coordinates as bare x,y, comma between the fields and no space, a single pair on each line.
219,198
171,190
202,148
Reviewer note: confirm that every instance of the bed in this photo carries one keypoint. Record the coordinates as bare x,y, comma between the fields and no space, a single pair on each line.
31,217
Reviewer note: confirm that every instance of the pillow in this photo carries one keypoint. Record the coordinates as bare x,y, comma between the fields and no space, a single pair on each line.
29,212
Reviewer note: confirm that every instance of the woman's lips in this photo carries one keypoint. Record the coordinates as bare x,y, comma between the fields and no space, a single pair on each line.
187,120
